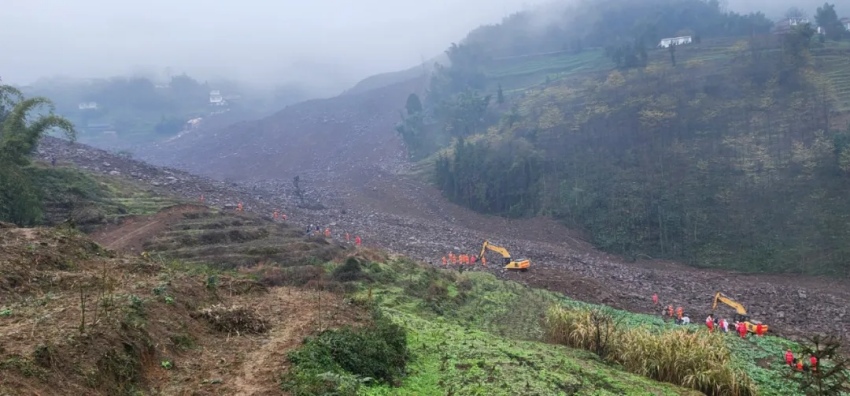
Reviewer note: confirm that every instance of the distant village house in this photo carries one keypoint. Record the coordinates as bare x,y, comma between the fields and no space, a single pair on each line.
846,23
785,25
675,41
797,21
216,99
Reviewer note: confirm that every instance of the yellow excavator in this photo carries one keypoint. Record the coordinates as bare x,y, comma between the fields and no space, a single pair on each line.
510,264
740,311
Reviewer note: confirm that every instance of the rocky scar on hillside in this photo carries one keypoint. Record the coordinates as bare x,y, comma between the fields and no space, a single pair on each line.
407,217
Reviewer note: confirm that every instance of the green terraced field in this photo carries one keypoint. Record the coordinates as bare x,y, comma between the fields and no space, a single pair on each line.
834,62
523,72
519,73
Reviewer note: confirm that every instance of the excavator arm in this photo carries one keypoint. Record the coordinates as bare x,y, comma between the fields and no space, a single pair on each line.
741,312
521,265
498,249
720,297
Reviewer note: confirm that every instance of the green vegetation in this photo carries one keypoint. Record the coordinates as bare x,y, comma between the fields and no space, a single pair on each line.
827,19
832,377
20,131
692,171
470,333
721,153
831,60
339,360
35,194
695,359
90,200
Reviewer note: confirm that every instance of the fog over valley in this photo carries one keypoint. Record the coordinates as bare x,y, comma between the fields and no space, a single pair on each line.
329,44
324,44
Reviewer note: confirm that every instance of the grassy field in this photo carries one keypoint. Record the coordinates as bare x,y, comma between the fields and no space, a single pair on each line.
519,73
471,333
516,74
455,359
93,199
834,62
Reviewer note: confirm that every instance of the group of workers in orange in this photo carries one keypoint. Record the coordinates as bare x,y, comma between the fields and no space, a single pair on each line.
462,259
317,231
710,322
277,215
798,364
740,327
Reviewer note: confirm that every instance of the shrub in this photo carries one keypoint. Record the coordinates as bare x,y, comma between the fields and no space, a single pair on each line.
696,360
354,356
351,271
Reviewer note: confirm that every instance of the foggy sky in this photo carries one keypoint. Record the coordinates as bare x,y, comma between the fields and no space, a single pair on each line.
258,40
331,42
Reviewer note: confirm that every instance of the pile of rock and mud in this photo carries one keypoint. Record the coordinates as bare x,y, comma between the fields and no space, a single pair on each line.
406,216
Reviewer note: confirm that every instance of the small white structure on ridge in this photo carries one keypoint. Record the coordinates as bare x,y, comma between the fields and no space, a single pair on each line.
675,41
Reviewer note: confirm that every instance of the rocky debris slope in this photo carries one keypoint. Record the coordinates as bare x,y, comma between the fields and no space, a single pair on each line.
407,217
334,135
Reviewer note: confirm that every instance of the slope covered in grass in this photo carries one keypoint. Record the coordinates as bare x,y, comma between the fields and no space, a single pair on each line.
471,333
91,200
453,359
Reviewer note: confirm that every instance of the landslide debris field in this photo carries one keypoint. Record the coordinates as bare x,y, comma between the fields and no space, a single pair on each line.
387,209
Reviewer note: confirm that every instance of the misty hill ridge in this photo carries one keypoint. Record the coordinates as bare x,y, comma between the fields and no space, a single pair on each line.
340,134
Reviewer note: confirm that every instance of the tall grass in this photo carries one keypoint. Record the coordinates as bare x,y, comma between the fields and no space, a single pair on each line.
692,359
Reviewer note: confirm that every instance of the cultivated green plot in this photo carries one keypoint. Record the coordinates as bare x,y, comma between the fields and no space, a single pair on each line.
471,333
453,359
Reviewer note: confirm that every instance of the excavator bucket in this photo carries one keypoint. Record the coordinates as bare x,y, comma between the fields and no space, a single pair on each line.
751,327
521,265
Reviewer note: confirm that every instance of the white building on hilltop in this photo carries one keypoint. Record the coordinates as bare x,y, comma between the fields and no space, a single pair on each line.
675,41
87,106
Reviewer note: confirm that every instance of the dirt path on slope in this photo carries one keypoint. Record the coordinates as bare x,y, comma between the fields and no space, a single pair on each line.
131,234
252,365
294,314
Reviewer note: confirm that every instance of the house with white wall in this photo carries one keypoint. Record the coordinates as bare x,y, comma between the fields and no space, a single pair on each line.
216,99
784,26
666,42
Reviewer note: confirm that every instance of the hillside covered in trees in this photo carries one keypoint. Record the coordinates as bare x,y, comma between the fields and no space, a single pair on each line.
730,151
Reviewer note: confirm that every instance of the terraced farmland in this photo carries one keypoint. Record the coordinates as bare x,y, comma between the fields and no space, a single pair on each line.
516,73
834,62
